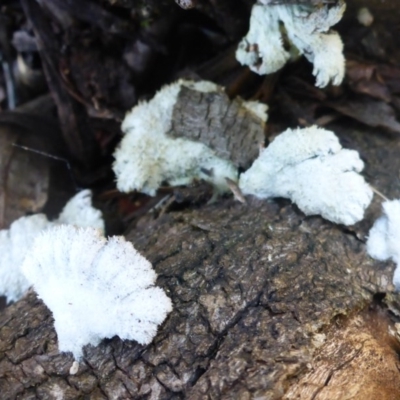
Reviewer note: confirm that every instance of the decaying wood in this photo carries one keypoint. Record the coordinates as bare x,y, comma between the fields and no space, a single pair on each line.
233,131
361,346
257,290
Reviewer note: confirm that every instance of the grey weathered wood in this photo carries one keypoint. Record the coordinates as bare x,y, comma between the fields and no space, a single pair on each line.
224,125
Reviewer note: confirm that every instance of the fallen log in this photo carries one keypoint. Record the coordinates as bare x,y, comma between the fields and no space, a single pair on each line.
268,304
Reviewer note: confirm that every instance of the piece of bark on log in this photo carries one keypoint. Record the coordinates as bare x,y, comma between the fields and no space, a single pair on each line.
257,293
228,127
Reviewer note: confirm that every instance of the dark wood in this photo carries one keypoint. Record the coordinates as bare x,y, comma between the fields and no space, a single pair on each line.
252,286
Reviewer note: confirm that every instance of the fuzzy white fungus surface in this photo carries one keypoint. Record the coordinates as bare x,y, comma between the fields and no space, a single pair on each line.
384,237
308,30
310,167
14,243
146,156
17,240
95,288
80,212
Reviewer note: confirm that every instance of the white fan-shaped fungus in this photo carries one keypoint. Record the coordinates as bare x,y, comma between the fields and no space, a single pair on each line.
14,243
310,167
147,156
308,30
17,240
384,237
80,212
96,288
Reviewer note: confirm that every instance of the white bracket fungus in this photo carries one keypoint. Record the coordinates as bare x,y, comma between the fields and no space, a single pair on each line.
308,30
95,288
152,150
310,167
384,237
17,240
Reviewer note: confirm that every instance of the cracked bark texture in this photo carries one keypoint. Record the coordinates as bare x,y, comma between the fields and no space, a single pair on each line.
253,288
227,126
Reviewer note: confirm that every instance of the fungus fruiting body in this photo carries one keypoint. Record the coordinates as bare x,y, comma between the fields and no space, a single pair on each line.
384,237
95,288
310,167
16,241
308,30
152,153
80,212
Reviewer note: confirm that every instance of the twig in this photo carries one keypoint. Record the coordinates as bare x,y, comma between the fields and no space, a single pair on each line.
52,156
237,193
9,81
379,193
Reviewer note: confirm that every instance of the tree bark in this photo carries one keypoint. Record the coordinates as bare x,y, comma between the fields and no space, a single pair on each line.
229,127
258,292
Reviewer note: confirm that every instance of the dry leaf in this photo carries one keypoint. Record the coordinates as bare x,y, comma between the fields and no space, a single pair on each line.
24,178
370,112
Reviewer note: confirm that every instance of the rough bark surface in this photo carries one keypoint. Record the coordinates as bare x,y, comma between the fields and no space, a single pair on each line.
359,360
233,131
253,286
